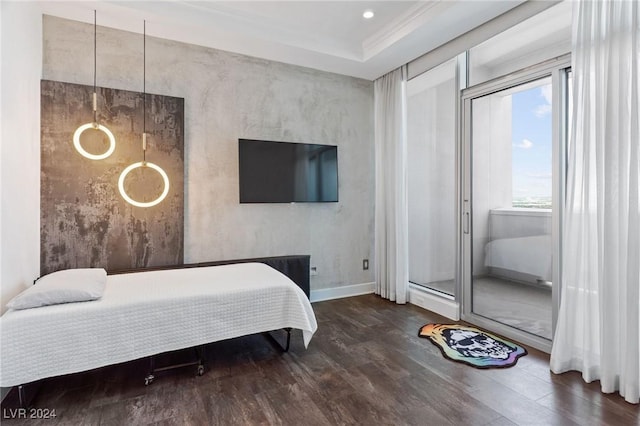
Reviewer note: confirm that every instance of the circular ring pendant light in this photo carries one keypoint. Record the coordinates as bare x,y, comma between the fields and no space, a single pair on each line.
134,166
94,125
144,163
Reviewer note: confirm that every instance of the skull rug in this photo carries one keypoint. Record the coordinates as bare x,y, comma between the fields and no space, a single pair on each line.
472,346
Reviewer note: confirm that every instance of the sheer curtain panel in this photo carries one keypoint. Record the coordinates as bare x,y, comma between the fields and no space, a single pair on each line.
391,216
598,331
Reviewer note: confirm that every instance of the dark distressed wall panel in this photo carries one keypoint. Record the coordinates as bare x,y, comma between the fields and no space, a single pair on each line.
84,220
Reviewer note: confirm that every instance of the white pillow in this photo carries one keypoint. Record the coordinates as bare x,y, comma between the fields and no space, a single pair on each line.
69,285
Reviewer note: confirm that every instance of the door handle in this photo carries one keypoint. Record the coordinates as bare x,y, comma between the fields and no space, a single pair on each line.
466,222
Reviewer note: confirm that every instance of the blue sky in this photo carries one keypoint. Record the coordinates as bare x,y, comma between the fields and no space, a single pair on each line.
531,138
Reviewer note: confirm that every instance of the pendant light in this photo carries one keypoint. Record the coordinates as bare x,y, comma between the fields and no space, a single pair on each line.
95,125
144,163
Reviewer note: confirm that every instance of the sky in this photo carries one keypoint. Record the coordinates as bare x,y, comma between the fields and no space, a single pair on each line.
531,138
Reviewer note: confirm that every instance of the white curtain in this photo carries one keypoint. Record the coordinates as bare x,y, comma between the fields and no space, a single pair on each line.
598,330
391,214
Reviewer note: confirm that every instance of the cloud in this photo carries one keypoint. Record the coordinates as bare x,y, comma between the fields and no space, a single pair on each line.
545,108
525,144
542,110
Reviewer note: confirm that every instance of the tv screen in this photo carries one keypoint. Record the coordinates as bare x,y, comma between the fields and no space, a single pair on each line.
284,172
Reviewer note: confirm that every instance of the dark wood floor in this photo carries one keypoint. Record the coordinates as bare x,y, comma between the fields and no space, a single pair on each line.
365,366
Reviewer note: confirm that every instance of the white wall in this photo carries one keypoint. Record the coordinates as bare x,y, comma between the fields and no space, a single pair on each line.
20,148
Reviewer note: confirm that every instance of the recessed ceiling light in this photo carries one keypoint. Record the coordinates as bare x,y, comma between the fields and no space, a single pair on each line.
368,14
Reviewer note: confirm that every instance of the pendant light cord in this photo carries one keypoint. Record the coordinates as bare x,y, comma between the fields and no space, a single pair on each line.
144,92
95,60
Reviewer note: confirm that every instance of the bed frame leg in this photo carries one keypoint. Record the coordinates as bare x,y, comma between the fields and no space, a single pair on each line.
199,363
200,354
22,400
275,342
20,397
149,377
288,330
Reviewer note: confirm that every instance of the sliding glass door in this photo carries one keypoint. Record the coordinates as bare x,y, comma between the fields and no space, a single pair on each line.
515,133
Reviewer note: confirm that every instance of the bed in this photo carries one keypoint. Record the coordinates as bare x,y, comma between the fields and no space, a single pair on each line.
146,313
529,255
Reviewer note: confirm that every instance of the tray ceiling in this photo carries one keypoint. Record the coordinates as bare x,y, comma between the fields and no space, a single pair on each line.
327,35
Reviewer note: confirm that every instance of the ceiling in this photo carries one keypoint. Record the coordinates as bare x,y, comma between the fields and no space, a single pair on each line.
327,35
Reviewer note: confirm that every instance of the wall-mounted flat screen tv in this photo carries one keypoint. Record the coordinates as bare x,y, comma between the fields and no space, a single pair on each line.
284,172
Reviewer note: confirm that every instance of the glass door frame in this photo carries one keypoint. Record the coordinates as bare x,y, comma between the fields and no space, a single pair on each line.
557,70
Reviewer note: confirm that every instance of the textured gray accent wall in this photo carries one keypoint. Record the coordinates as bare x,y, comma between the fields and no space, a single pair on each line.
230,96
84,222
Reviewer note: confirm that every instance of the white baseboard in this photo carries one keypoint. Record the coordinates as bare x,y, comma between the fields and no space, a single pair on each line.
446,308
340,292
439,305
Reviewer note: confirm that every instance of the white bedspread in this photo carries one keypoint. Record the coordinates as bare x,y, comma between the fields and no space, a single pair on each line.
530,255
146,313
